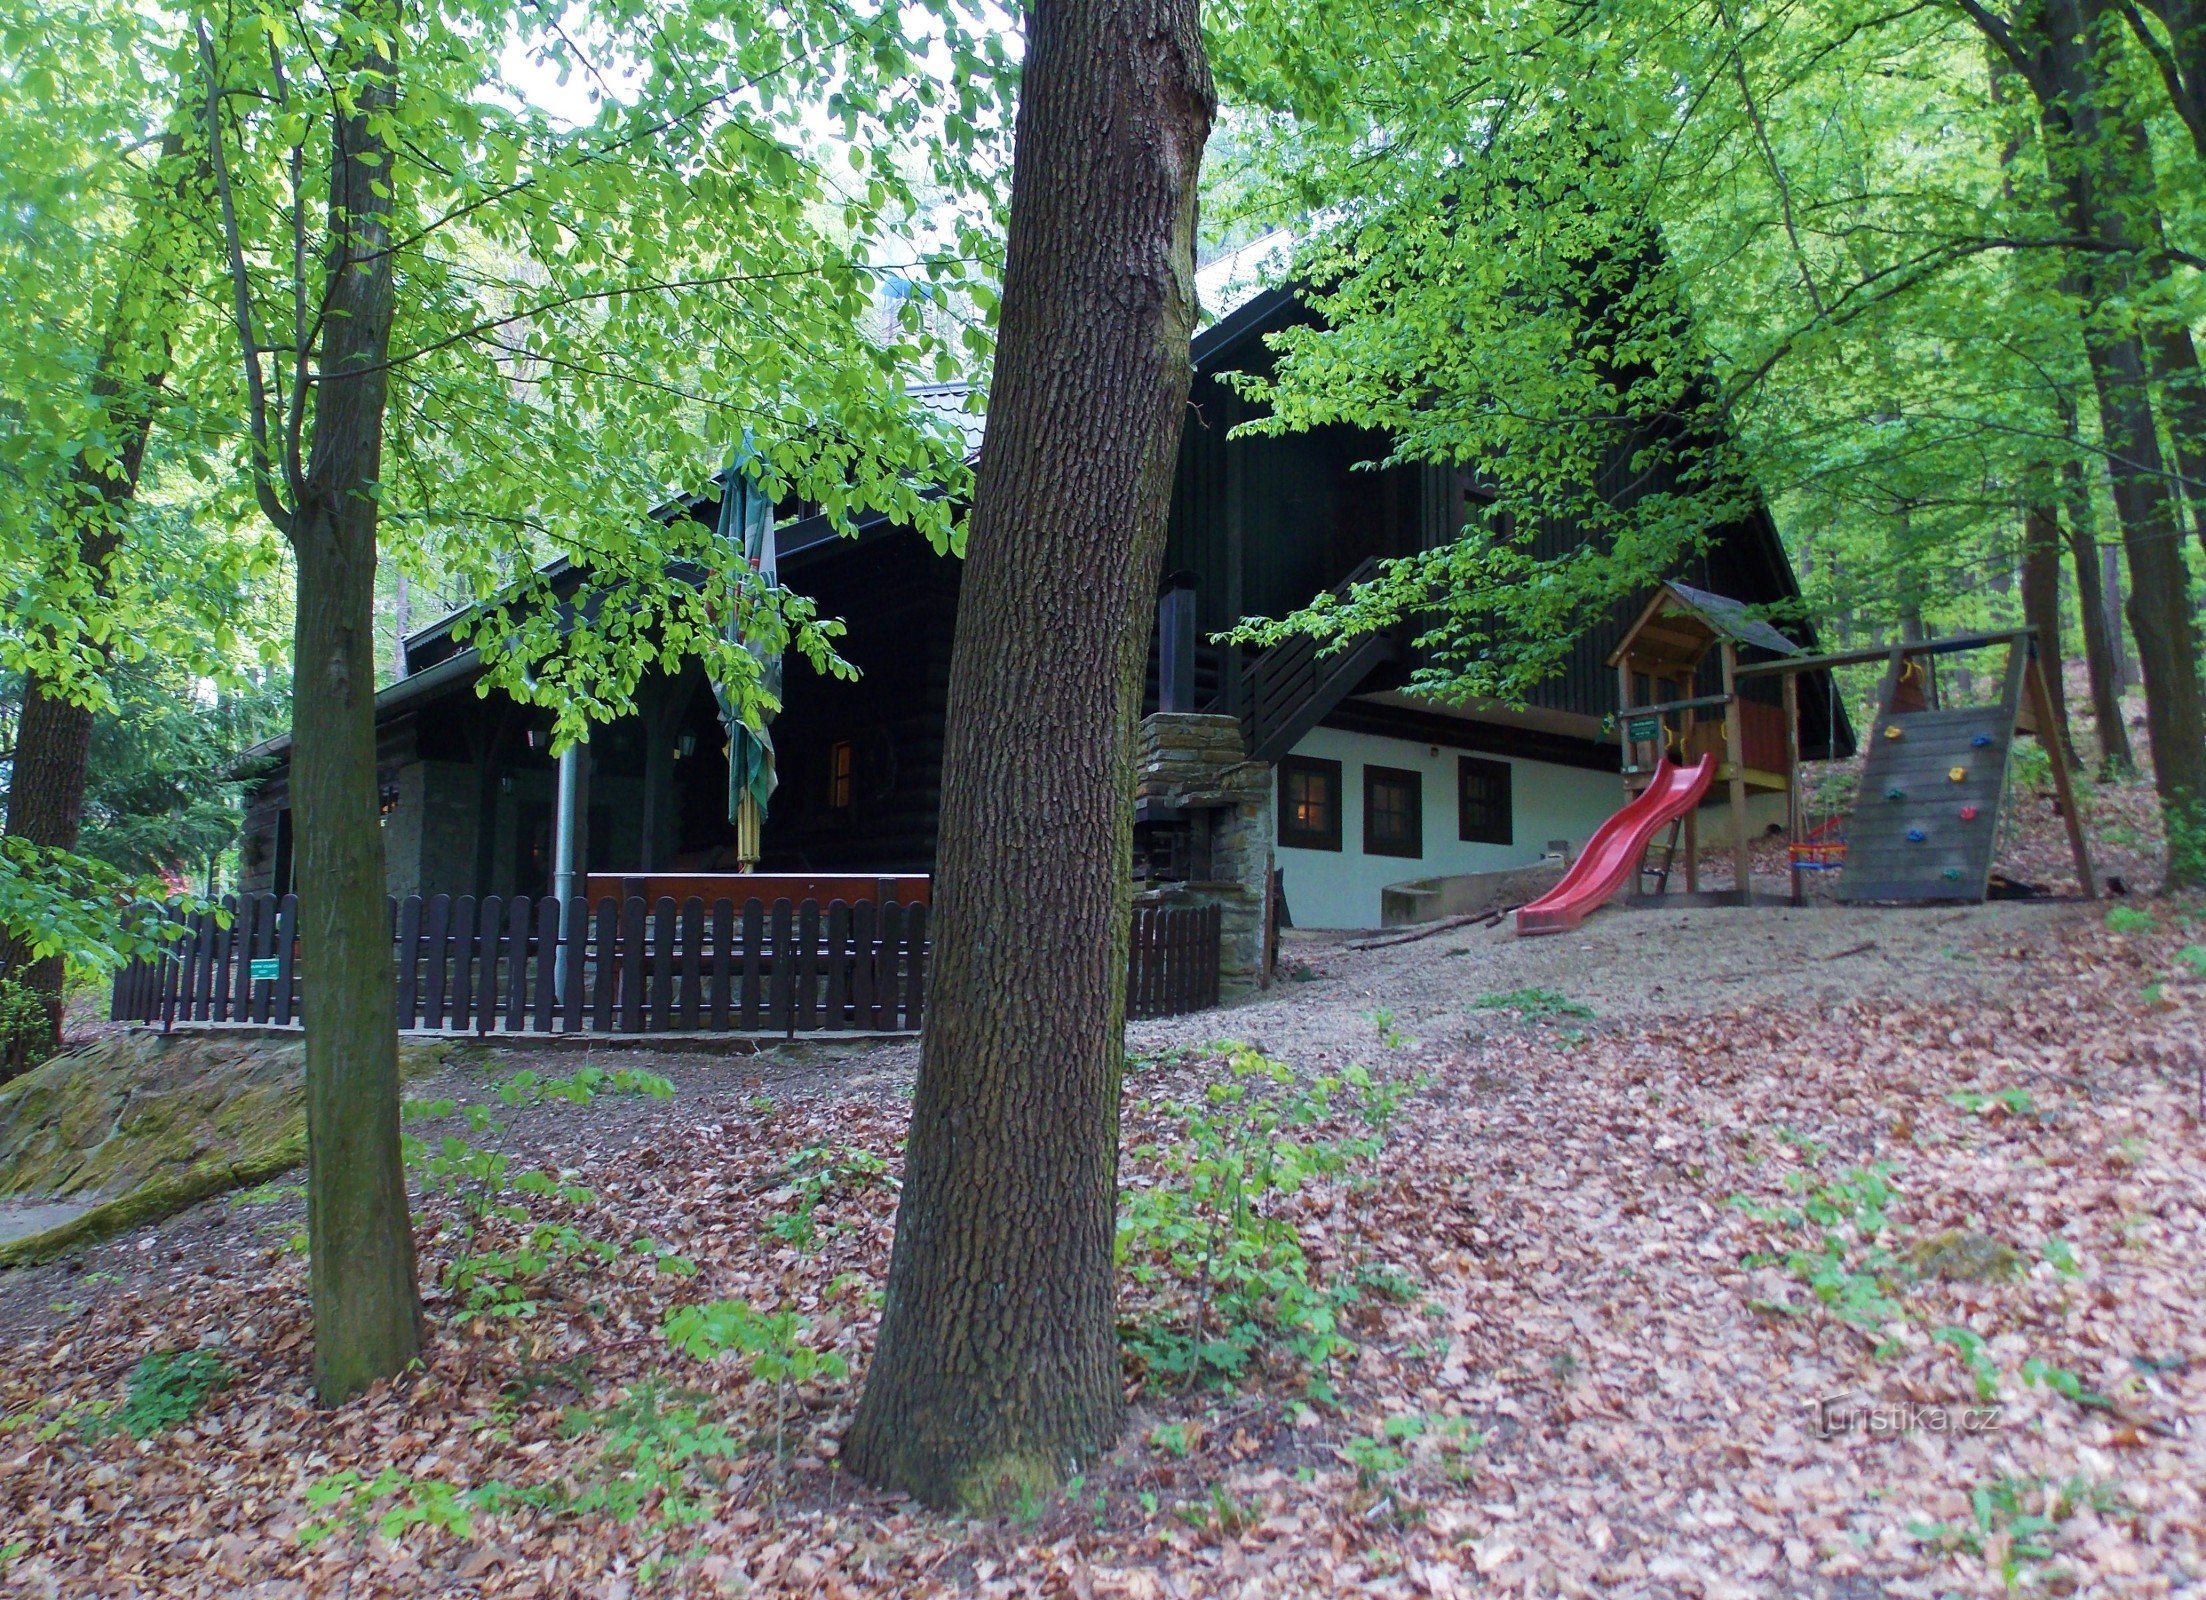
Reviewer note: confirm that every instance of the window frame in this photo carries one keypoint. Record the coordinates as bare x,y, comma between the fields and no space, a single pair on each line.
1465,766
1414,782
1291,837
842,775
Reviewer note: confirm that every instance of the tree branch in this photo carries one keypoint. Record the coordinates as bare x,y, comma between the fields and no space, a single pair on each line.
491,197
1994,27
655,286
256,393
294,420
1769,156
2186,103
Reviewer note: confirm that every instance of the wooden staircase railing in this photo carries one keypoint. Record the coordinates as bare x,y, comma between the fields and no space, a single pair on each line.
1286,690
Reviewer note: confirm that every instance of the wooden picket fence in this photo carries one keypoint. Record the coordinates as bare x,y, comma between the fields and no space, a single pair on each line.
1172,961
501,966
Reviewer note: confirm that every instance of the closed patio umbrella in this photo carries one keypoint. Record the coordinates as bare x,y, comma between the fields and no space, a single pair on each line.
746,533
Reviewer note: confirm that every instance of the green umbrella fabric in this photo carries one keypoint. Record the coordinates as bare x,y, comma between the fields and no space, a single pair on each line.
746,532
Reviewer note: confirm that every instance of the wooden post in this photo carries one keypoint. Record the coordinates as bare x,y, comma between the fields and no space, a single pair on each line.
1624,723
658,777
1735,748
2048,732
1176,648
1791,684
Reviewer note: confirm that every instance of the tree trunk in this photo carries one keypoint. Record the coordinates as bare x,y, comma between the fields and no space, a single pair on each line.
2100,634
2180,58
2159,604
2087,170
2183,398
2168,341
53,745
367,1305
2041,550
997,1370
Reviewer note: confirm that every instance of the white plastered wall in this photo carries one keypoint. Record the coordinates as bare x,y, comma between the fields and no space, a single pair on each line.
1340,889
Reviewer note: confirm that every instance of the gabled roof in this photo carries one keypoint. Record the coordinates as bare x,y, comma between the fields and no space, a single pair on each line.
434,647
1705,618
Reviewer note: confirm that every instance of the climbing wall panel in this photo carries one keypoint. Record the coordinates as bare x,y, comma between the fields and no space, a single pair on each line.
1927,818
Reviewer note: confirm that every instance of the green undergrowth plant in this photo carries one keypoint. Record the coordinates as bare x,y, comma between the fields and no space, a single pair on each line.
1220,1512
496,1197
816,1174
2012,1101
662,1461
393,1503
1390,1036
168,1388
579,1088
1838,1255
2018,1521
165,1389
1211,1238
1840,1245
776,1348
1173,1055
1535,1005
86,1419
662,1456
26,1027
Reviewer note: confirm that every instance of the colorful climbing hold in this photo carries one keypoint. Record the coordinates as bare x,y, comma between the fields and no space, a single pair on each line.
1982,741
1953,874
1895,794
1968,813
1957,774
1895,732
1916,836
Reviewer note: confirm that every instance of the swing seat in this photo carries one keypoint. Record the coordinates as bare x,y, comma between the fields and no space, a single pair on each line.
1821,849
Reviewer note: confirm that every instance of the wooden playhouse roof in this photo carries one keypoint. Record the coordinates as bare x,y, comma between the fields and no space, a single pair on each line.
1680,623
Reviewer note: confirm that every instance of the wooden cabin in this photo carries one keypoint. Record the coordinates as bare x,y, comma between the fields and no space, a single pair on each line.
1343,782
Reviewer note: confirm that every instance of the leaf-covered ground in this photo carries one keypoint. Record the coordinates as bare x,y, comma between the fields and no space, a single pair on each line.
1571,1318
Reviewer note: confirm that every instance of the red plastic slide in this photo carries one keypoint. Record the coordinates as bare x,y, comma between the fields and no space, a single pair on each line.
1613,853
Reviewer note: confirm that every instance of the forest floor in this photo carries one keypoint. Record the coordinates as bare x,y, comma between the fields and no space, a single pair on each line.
1698,1253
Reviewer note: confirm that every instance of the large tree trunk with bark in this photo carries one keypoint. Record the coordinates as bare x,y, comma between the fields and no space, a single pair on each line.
997,1370
2041,552
366,1299
367,1303
2091,173
2127,157
2159,603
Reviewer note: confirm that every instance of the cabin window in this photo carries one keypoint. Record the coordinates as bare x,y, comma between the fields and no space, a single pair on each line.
1309,803
840,771
1393,812
1483,811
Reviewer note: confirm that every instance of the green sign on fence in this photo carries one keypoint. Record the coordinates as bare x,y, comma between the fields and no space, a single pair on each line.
1643,728
265,969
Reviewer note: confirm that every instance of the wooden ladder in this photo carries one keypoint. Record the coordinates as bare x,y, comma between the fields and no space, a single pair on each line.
1661,874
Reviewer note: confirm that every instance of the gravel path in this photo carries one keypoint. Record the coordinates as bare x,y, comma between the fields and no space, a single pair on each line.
1627,966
